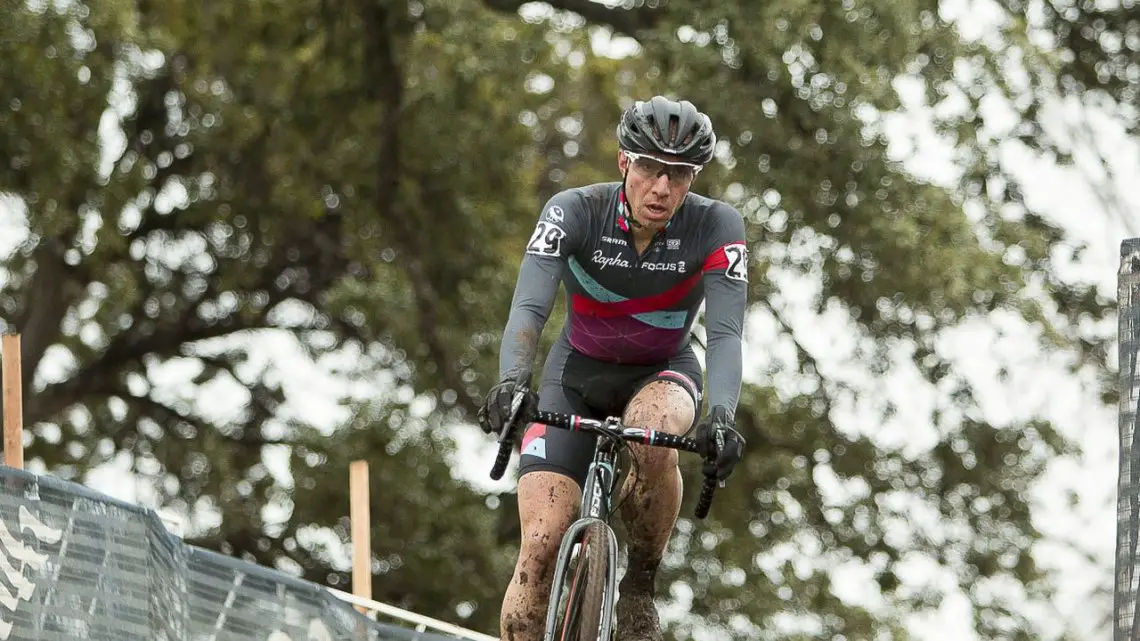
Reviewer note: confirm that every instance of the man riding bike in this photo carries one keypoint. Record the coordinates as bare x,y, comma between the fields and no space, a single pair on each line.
638,257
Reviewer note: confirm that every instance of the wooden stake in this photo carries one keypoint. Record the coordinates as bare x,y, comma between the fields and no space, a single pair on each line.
361,534
13,402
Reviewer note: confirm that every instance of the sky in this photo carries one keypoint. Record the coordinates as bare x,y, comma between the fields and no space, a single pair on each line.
1073,197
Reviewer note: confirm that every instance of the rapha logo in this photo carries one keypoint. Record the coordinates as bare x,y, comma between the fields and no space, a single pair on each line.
15,557
608,261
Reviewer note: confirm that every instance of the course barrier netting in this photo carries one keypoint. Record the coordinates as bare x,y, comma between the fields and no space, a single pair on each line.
1127,625
76,564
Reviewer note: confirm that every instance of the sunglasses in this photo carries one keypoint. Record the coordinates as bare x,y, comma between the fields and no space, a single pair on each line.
679,173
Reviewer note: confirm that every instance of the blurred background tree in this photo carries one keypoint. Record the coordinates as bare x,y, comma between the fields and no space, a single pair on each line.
192,186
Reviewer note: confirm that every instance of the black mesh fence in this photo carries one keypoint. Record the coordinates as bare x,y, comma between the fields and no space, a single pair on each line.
1127,626
75,564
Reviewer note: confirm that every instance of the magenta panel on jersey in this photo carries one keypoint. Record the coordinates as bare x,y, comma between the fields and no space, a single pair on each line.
623,339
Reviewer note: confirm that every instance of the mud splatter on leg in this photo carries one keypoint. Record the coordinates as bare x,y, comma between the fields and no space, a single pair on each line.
547,504
651,506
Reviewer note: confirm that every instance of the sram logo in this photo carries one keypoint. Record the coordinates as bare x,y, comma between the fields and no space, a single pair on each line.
16,556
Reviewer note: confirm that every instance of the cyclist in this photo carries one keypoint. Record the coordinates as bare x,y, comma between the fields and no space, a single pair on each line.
638,257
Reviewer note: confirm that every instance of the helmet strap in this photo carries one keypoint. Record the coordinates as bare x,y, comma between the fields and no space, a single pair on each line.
626,208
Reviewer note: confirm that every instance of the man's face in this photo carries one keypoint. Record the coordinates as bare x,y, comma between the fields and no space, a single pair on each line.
655,186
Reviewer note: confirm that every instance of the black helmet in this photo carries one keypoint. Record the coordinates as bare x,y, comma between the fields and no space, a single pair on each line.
664,126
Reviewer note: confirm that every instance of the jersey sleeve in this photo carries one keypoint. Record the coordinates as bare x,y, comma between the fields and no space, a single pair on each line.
559,232
726,298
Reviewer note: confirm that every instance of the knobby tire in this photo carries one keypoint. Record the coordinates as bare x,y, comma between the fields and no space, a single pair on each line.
581,620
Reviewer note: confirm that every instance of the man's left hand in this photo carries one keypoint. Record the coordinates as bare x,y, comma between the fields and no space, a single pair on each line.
721,443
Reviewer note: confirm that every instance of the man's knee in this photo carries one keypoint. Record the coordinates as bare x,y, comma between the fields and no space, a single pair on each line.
662,405
548,503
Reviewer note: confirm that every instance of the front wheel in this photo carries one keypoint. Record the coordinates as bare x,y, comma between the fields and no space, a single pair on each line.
580,614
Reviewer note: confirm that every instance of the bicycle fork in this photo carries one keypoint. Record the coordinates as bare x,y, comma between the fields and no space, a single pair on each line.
601,483
605,632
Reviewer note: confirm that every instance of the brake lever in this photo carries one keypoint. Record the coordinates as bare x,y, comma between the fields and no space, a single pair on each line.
516,405
522,388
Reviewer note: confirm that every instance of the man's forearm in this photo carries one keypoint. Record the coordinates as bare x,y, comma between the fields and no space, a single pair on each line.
530,308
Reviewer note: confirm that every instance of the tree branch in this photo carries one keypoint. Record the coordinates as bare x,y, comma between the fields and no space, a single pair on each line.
264,402
167,337
126,348
631,22
428,305
382,60
166,416
388,89
55,286
50,293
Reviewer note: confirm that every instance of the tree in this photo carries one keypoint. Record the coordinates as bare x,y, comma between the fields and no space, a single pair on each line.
1088,75
1092,62
251,189
361,181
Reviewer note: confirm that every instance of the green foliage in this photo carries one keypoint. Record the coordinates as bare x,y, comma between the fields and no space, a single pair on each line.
201,178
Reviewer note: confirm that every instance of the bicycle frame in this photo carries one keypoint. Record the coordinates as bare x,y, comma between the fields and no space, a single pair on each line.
596,505
601,479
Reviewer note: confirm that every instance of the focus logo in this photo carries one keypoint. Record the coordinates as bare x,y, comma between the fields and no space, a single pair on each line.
678,266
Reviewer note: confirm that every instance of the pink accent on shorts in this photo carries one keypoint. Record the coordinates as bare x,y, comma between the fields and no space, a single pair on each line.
685,381
533,431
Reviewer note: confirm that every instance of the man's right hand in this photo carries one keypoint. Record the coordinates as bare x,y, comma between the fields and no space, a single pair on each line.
496,409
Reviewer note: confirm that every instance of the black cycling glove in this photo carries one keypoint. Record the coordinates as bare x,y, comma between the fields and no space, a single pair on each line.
496,409
721,444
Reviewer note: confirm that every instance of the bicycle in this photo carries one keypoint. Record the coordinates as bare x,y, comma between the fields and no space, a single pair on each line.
589,544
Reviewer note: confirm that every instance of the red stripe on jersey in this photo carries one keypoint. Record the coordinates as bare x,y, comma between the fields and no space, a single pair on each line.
718,259
656,303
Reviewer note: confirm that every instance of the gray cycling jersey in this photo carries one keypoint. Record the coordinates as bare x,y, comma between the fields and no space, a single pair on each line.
630,309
